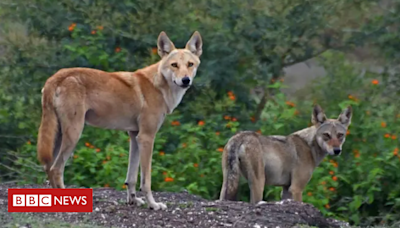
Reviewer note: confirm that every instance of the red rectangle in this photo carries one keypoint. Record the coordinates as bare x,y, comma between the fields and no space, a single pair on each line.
50,200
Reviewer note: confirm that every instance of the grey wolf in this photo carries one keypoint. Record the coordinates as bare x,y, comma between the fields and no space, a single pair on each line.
136,102
286,161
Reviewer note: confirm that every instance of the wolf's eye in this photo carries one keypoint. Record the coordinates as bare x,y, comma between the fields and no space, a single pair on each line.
174,65
340,135
190,64
326,135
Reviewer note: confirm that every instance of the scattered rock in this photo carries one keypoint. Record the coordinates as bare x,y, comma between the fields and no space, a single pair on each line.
184,210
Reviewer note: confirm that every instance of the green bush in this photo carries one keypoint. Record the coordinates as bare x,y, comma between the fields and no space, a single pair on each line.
245,46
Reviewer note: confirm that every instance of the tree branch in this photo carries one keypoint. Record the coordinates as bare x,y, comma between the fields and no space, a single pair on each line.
304,58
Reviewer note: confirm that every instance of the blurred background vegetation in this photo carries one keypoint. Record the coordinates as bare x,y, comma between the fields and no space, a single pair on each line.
264,64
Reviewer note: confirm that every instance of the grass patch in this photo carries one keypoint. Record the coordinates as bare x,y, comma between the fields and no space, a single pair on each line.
212,209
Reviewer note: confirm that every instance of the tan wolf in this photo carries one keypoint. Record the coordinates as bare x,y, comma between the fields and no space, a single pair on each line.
136,102
286,161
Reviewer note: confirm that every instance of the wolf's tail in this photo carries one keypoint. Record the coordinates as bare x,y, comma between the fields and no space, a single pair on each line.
230,170
49,136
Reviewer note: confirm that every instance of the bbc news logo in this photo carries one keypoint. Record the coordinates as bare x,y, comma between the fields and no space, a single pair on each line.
50,200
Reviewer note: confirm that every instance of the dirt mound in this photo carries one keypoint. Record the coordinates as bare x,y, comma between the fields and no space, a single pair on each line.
184,210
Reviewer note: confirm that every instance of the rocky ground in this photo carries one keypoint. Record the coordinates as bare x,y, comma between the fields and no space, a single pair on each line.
184,210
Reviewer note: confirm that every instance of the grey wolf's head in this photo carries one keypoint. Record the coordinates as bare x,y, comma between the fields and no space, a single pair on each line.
179,66
331,133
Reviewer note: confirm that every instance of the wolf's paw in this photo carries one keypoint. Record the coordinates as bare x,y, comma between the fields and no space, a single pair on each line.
132,199
261,203
157,206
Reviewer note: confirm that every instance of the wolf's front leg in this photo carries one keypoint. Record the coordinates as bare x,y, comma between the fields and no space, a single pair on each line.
132,174
146,143
286,194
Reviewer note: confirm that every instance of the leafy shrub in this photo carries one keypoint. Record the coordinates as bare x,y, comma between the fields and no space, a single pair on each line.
243,50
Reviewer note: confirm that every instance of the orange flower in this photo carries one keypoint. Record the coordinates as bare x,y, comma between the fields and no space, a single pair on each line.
184,145
161,153
387,135
201,175
71,27
98,150
332,189
117,49
232,97
220,149
154,50
76,156
357,155
123,186
253,119
201,123
375,82
258,131
106,185
164,173
351,97
327,206
91,147
230,93
108,158
175,123
289,103
396,151
383,124
335,164
87,144
29,142
296,112
228,125
93,32
394,137
368,113
309,193
334,178
100,27
217,133
348,132
234,119
331,172
227,117
196,165
169,179
104,162
323,183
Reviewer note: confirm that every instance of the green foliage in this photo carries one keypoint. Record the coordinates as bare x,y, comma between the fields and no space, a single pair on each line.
246,44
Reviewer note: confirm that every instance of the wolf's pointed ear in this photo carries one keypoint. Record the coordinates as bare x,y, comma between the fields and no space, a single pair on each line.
195,44
164,45
318,115
345,116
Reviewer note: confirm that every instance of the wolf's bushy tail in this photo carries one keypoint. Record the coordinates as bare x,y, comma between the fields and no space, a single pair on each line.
49,130
231,171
